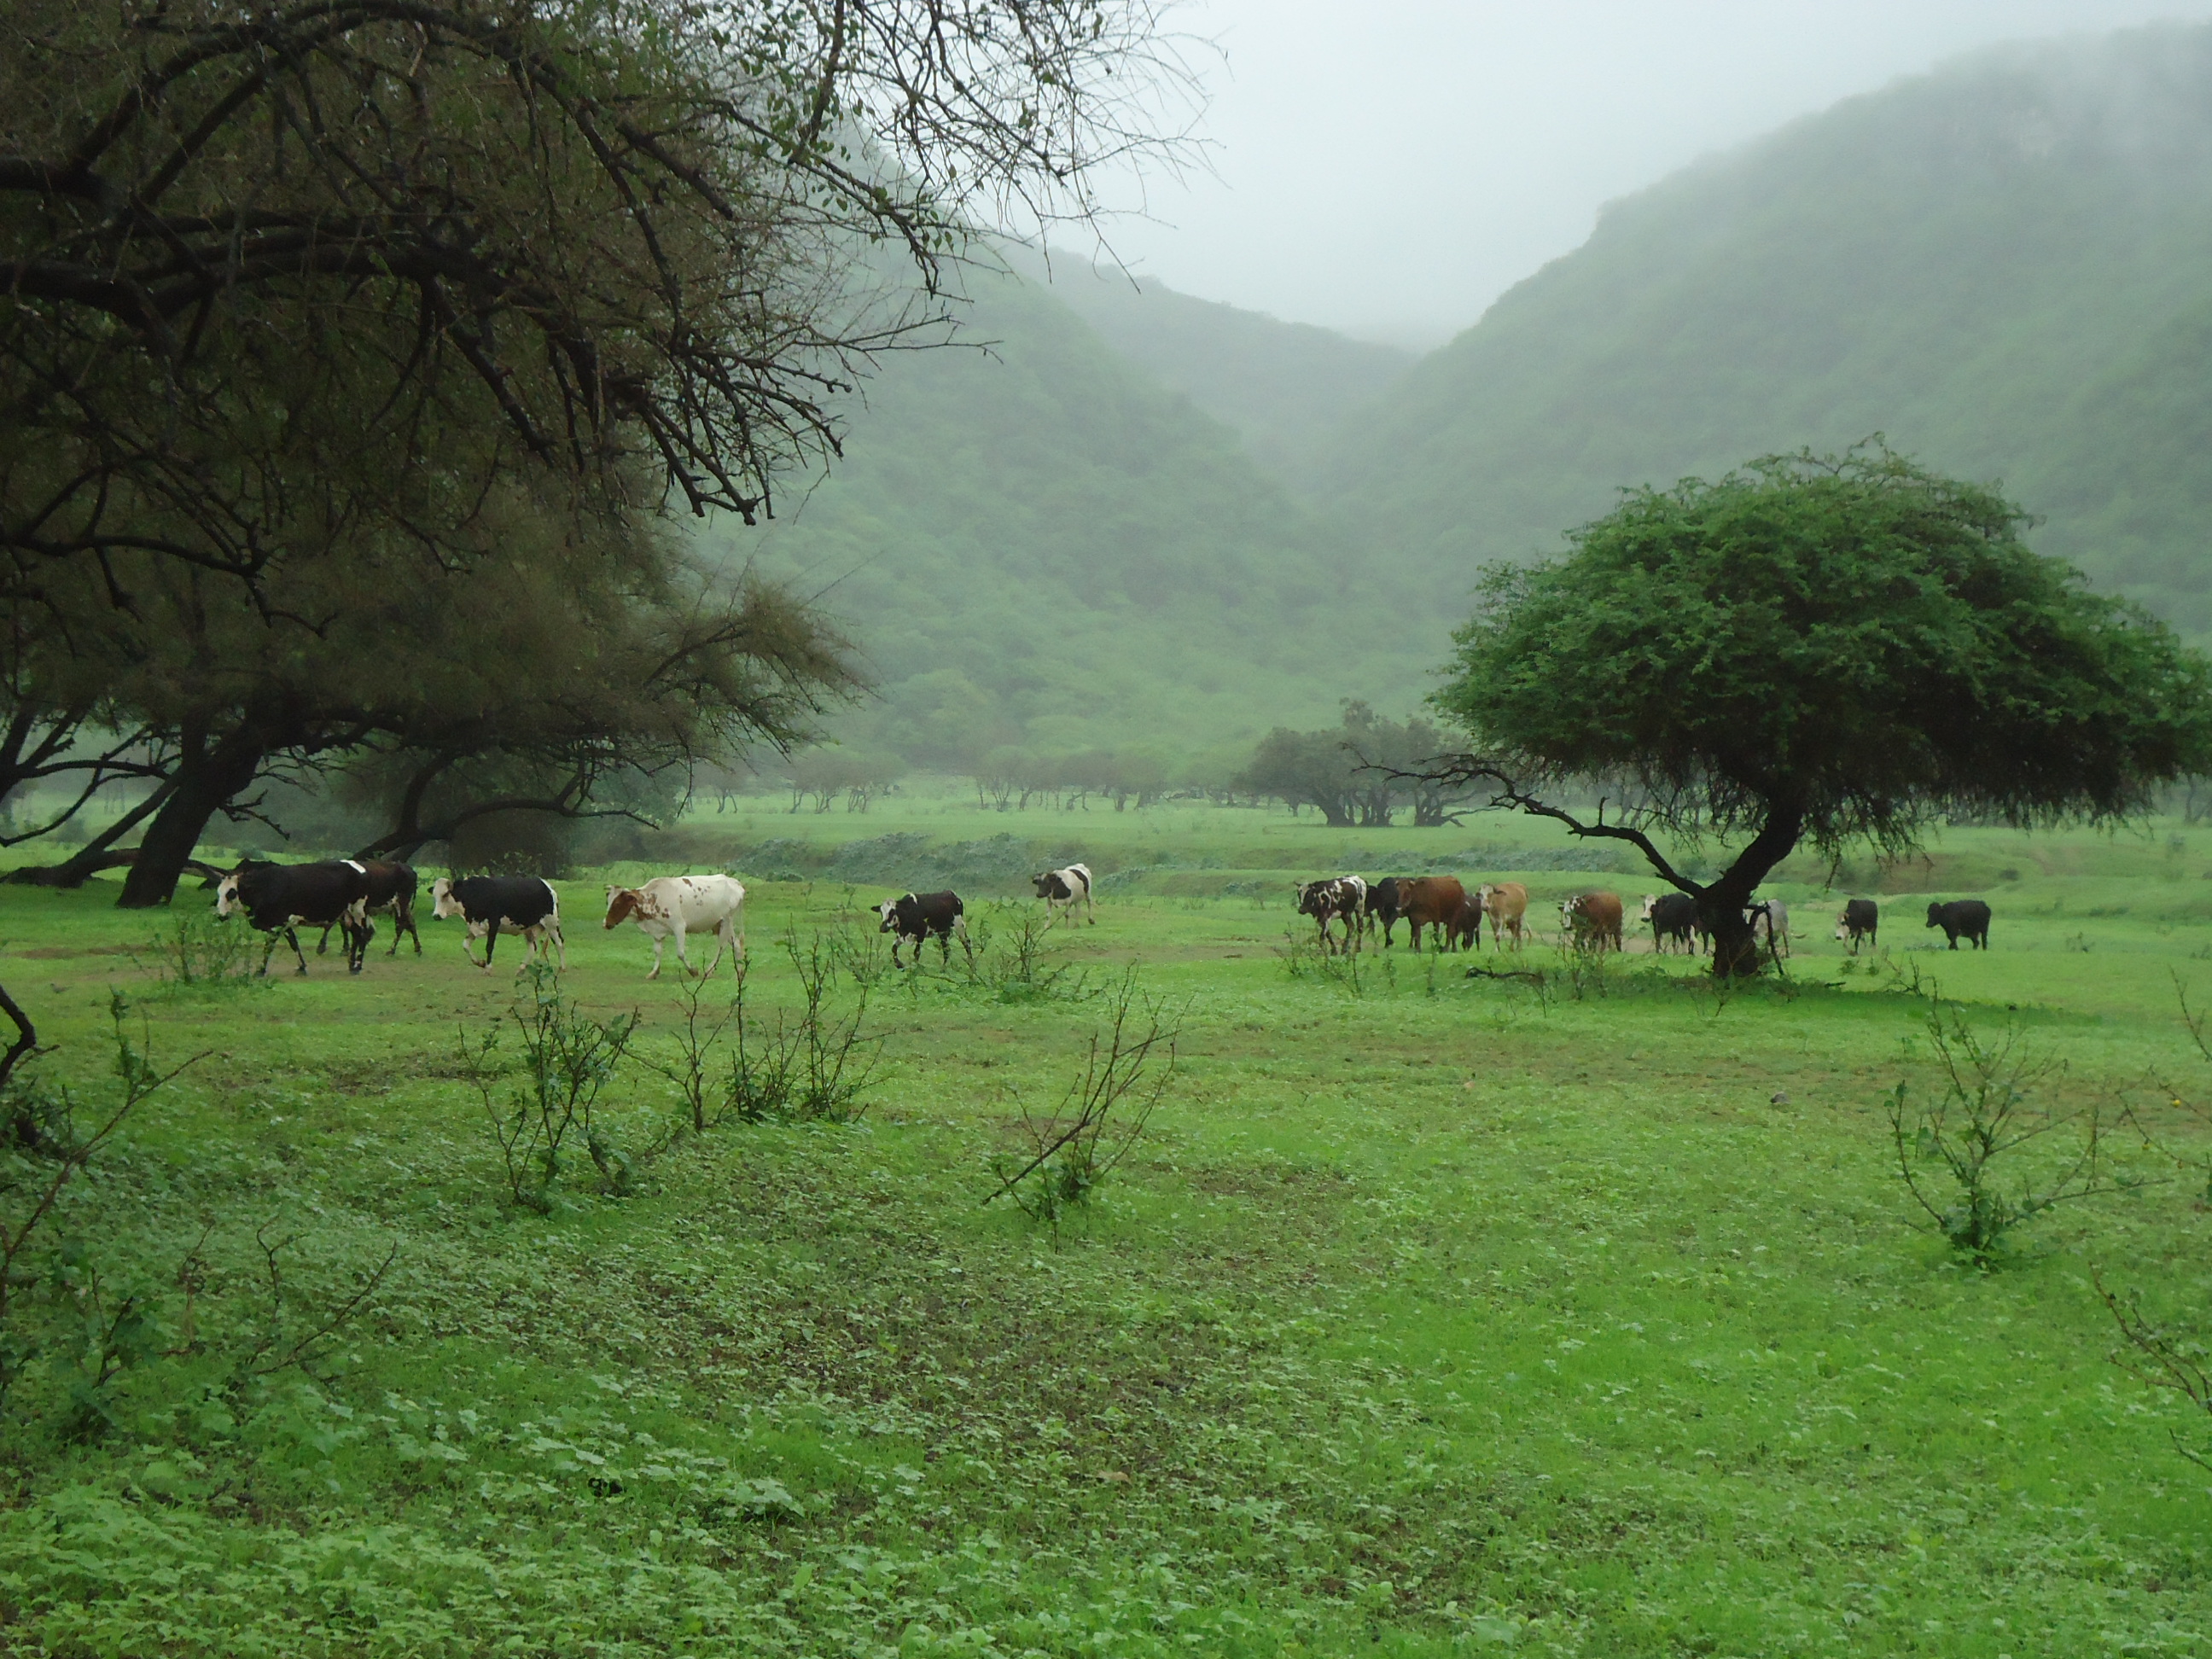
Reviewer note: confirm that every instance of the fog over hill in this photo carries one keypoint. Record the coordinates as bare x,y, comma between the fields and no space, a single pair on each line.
2006,266
1041,545
1142,517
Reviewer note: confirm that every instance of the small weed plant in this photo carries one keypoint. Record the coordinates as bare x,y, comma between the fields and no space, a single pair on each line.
1013,964
1064,1155
541,1101
1310,960
1988,1149
104,1329
813,1065
197,954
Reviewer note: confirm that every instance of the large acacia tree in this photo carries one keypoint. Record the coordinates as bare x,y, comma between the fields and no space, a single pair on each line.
1815,650
305,295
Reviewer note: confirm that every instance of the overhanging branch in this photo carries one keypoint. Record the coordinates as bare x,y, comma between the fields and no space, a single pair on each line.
1465,771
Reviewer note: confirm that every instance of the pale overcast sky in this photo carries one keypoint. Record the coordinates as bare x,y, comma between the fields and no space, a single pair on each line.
1389,167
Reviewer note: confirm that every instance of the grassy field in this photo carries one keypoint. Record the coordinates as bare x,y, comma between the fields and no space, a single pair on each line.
1429,1315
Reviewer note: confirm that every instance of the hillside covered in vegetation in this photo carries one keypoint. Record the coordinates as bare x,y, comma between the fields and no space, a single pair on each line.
1139,519
1039,544
2005,266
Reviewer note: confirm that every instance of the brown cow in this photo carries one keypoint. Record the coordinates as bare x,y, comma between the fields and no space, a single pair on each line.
1466,929
1592,921
1431,901
1506,903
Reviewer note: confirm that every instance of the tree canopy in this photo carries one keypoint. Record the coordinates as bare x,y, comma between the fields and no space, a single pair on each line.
1818,649
351,344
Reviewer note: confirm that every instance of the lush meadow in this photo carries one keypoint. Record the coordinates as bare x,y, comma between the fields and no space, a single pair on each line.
1585,1314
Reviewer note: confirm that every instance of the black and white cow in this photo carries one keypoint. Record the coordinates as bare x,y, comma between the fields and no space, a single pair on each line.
1962,918
488,903
1335,898
280,897
391,887
1063,889
1859,921
912,918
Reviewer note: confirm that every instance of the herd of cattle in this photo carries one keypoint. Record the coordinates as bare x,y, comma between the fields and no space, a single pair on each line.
1592,921
344,893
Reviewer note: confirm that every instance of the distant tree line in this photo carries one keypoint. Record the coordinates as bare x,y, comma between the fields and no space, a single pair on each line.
1360,772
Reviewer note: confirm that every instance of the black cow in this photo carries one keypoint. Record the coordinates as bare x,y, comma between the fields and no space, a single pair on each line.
1383,904
391,887
911,918
1962,917
1860,919
1674,918
279,897
488,903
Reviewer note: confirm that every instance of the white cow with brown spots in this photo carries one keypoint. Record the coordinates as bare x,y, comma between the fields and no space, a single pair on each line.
673,906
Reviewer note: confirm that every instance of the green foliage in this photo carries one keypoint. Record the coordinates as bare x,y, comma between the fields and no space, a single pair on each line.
197,954
103,1327
1992,1106
1354,773
1855,643
564,1061
813,1067
1065,1155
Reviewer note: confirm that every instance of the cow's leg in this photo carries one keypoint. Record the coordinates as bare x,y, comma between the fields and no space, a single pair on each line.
491,943
293,939
682,957
960,927
559,944
268,950
324,942
1090,908
944,944
361,944
658,940
896,940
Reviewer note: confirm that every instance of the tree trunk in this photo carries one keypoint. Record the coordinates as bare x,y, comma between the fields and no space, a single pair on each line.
1720,906
204,782
89,859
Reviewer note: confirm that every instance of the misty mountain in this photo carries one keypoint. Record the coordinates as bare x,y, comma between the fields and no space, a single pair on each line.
1041,545
1286,388
2005,266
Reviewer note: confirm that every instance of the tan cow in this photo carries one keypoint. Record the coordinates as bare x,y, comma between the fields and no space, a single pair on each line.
1592,921
1506,903
1431,901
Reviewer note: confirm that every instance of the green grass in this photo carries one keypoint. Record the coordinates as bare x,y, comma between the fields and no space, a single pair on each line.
1452,1316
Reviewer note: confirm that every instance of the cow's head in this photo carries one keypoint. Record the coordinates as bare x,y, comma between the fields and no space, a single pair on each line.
887,913
1935,915
226,895
443,905
1650,903
1049,885
623,904
1844,926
